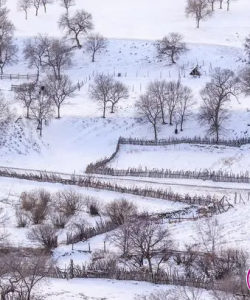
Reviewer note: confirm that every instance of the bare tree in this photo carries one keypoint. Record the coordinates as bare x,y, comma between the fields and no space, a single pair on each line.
118,91
149,107
215,95
120,211
22,274
68,202
171,46
228,3
8,53
6,117
7,27
42,109
185,293
59,89
45,3
150,241
185,103
67,4
26,94
100,90
35,203
77,25
199,9
36,4
95,43
57,56
25,6
172,98
212,2
209,234
245,81
158,89
34,51
247,47
44,235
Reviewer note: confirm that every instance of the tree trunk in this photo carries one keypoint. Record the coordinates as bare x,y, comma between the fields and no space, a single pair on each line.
228,4
93,56
1,70
58,111
220,4
112,108
26,15
37,11
150,265
182,121
28,112
78,42
172,58
155,132
198,23
163,115
104,110
45,9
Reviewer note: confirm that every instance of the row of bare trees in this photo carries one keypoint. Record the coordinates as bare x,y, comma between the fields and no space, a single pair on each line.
203,9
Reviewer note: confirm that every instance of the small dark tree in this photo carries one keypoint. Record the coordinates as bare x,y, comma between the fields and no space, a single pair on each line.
100,90
171,46
34,51
245,81
118,91
26,94
36,4
199,9
185,103
8,53
57,56
59,89
247,47
42,109
215,95
148,107
67,4
77,25
95,43
45,3
25,6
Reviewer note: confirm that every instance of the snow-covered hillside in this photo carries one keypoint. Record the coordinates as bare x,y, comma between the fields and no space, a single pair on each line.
82,136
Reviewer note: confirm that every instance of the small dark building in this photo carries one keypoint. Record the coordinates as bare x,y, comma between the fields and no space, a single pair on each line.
195,72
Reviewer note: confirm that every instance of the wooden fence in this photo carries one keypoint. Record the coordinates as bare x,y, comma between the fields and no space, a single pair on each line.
217,176
100,167
91,182
185,140
18,76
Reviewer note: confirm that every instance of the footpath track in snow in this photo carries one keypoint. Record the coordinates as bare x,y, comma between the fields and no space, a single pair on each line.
182,186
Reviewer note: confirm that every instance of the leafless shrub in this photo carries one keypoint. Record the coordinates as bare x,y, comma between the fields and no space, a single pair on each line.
93,206
68,202
59,219
185,293
103,261
35,203
78,231
157,295
21,217
120,210
44,235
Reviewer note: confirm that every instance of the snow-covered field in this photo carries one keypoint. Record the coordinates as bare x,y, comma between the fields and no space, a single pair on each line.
81,136
183,157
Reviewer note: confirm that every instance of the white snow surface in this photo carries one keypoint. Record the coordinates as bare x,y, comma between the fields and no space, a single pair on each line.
81,136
